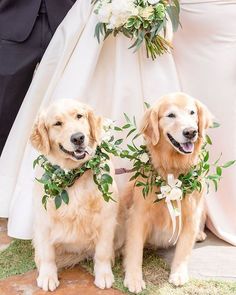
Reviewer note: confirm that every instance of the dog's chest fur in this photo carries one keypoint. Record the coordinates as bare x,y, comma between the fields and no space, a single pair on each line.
77,224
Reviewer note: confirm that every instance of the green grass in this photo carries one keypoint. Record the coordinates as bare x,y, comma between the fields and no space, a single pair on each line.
18,258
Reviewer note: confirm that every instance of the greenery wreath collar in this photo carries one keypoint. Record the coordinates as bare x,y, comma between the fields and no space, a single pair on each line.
55,180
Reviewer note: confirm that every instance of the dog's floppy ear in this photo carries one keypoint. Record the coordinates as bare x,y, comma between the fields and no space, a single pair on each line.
150,126
39,135
95,123
205,118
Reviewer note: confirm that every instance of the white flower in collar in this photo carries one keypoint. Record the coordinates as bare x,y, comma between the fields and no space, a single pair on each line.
172,190
144,158
108,125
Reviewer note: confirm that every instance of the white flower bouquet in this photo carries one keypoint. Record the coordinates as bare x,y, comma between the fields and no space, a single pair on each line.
140,20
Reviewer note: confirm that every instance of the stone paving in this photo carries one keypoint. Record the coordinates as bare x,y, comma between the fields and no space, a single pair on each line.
74,281
211,259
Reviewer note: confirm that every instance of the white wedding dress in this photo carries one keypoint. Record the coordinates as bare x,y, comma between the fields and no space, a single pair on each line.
108,76
205,56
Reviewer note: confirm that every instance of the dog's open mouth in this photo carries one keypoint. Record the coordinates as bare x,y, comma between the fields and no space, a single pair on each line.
186,148
78,154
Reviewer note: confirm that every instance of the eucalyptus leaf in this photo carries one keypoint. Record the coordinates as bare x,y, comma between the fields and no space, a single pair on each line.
65,197
58,201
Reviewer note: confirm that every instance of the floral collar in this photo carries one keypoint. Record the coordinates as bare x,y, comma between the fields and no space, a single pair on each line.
55,180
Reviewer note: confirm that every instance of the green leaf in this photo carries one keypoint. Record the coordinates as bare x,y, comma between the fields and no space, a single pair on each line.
107,168
127,118
215,184
217,161
206,158
57,201
219,170
105,187
118,128
44,201
130,132
215,125
118,142
147,105
35,163
228,164
173,13
131,148
65,197
140,183
107,178
126,126
208,140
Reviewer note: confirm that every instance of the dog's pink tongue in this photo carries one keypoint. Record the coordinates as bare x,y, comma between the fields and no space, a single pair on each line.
187,147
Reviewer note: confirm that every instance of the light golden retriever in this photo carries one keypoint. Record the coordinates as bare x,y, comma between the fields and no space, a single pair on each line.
174,130
68,133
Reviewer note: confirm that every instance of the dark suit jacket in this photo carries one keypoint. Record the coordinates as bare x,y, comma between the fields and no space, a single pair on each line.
17,17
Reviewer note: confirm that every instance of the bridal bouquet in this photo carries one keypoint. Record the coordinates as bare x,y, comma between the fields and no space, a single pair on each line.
140,20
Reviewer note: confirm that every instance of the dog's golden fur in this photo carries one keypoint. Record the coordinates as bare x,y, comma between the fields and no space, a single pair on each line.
148,222
86,226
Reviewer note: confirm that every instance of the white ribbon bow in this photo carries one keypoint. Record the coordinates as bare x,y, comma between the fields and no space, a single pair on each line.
172,192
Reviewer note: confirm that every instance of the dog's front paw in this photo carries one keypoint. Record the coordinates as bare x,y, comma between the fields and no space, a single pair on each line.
48,282
103,276
134,283
104,280
201,236
179,278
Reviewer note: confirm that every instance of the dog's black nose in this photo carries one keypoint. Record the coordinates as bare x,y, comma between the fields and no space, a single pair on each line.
77,138
189,133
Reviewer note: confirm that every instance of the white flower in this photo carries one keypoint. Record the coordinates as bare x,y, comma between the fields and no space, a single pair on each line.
121,11
158,178
122,7
153,2
172,191
144,158
108,124
146,12
106,136
104,13
175,194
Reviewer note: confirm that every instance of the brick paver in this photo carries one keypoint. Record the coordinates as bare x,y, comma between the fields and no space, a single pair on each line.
74,281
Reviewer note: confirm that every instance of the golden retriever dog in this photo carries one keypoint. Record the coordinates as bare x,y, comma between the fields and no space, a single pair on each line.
174,132
67,134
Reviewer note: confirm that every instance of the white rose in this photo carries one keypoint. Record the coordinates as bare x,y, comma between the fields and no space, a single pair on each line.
146,12
166,189
153,2
108,124
176,194
104,13
122,6
144,158
121,11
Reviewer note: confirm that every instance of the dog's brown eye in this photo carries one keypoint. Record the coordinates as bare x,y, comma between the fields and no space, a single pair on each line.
58,123
192,113
171,115
79,116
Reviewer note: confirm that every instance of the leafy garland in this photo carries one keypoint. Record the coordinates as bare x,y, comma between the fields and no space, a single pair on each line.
142,21
56,180
190,182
